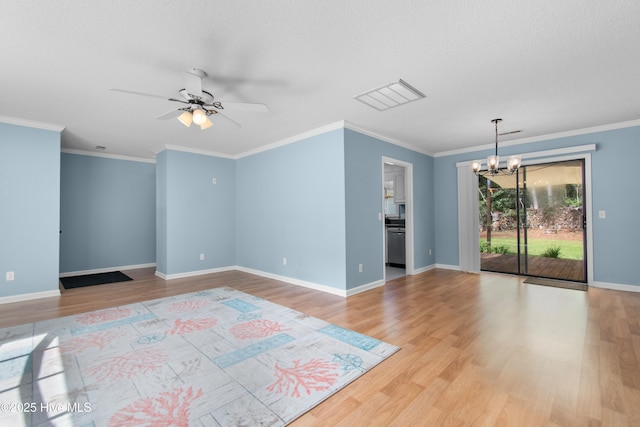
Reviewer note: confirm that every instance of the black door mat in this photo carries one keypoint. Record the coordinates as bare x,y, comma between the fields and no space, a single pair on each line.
557,283
94,279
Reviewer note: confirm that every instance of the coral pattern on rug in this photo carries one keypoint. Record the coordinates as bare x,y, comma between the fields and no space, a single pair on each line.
192,325
103,316
98,341
167,409
137,362
184,306
216,357
257,328
314,375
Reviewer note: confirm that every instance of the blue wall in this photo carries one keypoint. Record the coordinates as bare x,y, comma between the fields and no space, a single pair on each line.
615,247
194,215
161,212
363,183
291,203
29,209
107,213
316,202
613,190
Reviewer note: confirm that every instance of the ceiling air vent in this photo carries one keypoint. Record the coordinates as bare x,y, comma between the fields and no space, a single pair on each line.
390,95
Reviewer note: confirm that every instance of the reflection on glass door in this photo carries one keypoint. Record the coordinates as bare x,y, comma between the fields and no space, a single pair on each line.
532,222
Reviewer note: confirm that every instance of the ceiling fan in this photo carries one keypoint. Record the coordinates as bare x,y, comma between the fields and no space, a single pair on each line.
199,103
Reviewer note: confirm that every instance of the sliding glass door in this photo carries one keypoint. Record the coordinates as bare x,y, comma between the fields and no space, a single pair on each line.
533,223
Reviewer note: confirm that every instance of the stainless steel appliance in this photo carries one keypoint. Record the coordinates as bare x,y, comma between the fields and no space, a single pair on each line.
396,252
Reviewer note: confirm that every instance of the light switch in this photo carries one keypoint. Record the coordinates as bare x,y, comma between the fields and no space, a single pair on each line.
602,214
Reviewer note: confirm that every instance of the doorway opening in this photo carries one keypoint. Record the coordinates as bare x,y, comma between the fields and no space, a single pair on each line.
398,222
533,223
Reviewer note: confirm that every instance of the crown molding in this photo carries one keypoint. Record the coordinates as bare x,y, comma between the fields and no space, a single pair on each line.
295,138
193,151
356,128
31,124
106,155
342,124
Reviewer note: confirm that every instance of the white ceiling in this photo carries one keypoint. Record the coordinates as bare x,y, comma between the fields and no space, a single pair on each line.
543,66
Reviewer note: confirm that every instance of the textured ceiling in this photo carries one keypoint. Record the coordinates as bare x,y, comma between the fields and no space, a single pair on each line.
544,67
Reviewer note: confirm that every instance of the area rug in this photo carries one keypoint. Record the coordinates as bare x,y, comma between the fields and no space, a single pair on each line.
216,357
94,279
578,286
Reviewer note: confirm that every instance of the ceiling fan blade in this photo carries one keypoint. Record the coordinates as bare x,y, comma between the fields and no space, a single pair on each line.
133,92
177,100
237,81
230,119
170,115
192,83
246,106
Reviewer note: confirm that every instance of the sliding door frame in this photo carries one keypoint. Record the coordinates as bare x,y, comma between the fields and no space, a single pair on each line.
467,240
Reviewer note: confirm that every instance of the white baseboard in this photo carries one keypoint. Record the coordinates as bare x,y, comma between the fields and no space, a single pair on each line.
448,267
615,286
26,297
423,269
195,273
106,270
365,287
291,280
286,279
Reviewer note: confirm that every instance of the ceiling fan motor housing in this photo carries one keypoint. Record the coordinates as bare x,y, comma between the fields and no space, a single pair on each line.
206,98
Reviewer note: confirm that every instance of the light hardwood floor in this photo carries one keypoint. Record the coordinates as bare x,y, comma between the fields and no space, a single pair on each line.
476,349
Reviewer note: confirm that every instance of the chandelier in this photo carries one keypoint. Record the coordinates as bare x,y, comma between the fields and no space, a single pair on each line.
493,162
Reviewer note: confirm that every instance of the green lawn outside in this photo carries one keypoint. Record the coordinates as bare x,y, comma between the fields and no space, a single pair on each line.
569,249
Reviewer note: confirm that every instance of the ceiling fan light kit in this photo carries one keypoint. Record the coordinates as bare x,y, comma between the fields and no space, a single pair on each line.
186,118
199,117
493,161
196,116
206,124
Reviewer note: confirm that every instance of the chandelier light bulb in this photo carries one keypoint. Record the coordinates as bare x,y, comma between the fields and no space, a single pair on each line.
492,162
514,163
476,165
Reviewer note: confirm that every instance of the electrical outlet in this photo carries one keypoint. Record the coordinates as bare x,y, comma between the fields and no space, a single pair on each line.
360,268
201,257
284,261
10,276
429,251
